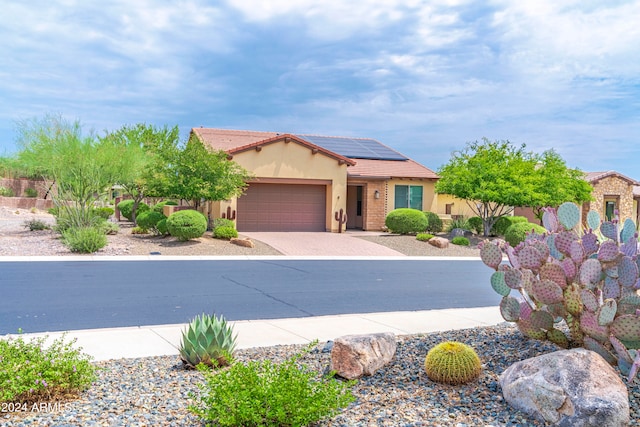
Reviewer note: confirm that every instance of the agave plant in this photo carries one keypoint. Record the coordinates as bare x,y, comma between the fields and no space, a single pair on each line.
582,281
207,340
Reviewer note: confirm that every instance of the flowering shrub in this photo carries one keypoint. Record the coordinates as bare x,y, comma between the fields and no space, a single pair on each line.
29,372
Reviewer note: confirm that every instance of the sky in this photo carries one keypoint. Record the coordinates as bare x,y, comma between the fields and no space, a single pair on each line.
423,77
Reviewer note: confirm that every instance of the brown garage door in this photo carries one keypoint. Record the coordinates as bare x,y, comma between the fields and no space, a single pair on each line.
282,207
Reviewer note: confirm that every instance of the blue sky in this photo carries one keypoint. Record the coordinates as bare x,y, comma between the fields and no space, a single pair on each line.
424,77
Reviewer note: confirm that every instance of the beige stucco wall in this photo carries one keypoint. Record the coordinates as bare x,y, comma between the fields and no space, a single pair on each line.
292,161
460,206
428,193
613,187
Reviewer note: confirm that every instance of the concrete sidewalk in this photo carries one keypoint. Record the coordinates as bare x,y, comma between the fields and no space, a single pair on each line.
161,340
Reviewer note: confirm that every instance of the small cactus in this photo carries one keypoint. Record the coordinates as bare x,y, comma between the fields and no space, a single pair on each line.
452,362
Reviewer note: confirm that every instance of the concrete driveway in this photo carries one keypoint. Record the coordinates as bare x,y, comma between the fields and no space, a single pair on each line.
322,244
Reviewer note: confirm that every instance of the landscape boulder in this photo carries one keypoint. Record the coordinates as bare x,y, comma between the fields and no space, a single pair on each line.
575,388
439,242
246,242
354,356
460,232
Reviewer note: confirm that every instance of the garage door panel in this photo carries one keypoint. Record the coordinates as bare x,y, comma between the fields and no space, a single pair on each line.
282,207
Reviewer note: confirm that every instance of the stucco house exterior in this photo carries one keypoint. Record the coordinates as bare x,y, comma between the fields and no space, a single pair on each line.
303,182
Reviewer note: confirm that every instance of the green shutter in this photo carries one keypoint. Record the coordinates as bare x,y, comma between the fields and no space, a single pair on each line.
402,196
415,201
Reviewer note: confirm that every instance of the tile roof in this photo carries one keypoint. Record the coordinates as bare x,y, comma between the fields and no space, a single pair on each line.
233,141
390,169
597,176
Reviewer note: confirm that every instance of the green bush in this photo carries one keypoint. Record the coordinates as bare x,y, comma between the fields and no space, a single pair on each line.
434,223
36,225
150,220
423,237
161,226
406,221
31,372
458,222
126,208
264,393
139,230
84,240
187,224
475,224
226,233
461,241
158,207
6,192
223,222
30,192
517,232
504,222
107,227
104,212
75,217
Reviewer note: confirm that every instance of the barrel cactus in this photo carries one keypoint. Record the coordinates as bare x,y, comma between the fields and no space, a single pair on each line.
452,362
207,340
574,286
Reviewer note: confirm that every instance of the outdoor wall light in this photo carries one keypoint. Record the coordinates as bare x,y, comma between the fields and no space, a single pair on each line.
376,194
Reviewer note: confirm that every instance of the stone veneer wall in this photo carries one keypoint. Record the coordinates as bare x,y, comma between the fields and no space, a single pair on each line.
612,186
374,208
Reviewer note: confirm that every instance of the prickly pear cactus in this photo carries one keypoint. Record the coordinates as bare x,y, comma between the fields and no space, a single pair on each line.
574,286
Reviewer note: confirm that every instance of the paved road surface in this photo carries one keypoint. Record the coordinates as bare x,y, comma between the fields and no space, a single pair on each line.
69,295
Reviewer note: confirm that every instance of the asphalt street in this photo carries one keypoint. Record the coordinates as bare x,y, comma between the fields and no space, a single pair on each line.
70,295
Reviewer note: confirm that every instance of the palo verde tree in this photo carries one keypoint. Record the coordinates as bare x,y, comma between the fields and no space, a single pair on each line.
56,149
196,173
143,150
493,177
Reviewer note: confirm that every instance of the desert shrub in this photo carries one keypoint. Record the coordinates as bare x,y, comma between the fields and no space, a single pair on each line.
30,192
406,221
423,237
187,224
139,230
161,226
434,223
31,372
84,240
54,211
458,222
460,240
226,233
103,212
75,217
223,222
36,225
158,207
264,393
517,232
475,224
149,220
107,227
504,222
6,192
126,208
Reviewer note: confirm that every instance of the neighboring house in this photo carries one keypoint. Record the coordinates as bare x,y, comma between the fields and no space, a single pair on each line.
303,182
613,191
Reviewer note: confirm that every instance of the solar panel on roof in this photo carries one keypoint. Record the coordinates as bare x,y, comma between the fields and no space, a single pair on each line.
355,148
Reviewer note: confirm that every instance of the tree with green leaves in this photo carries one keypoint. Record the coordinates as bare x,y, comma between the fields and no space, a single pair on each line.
56,149
196,173
558,183
143,150
495,176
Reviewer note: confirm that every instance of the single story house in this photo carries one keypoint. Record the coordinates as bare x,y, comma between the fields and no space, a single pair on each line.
312,182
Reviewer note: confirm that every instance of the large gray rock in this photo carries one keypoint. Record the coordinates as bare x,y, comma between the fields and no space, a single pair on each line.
439,242
576,388
354,356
